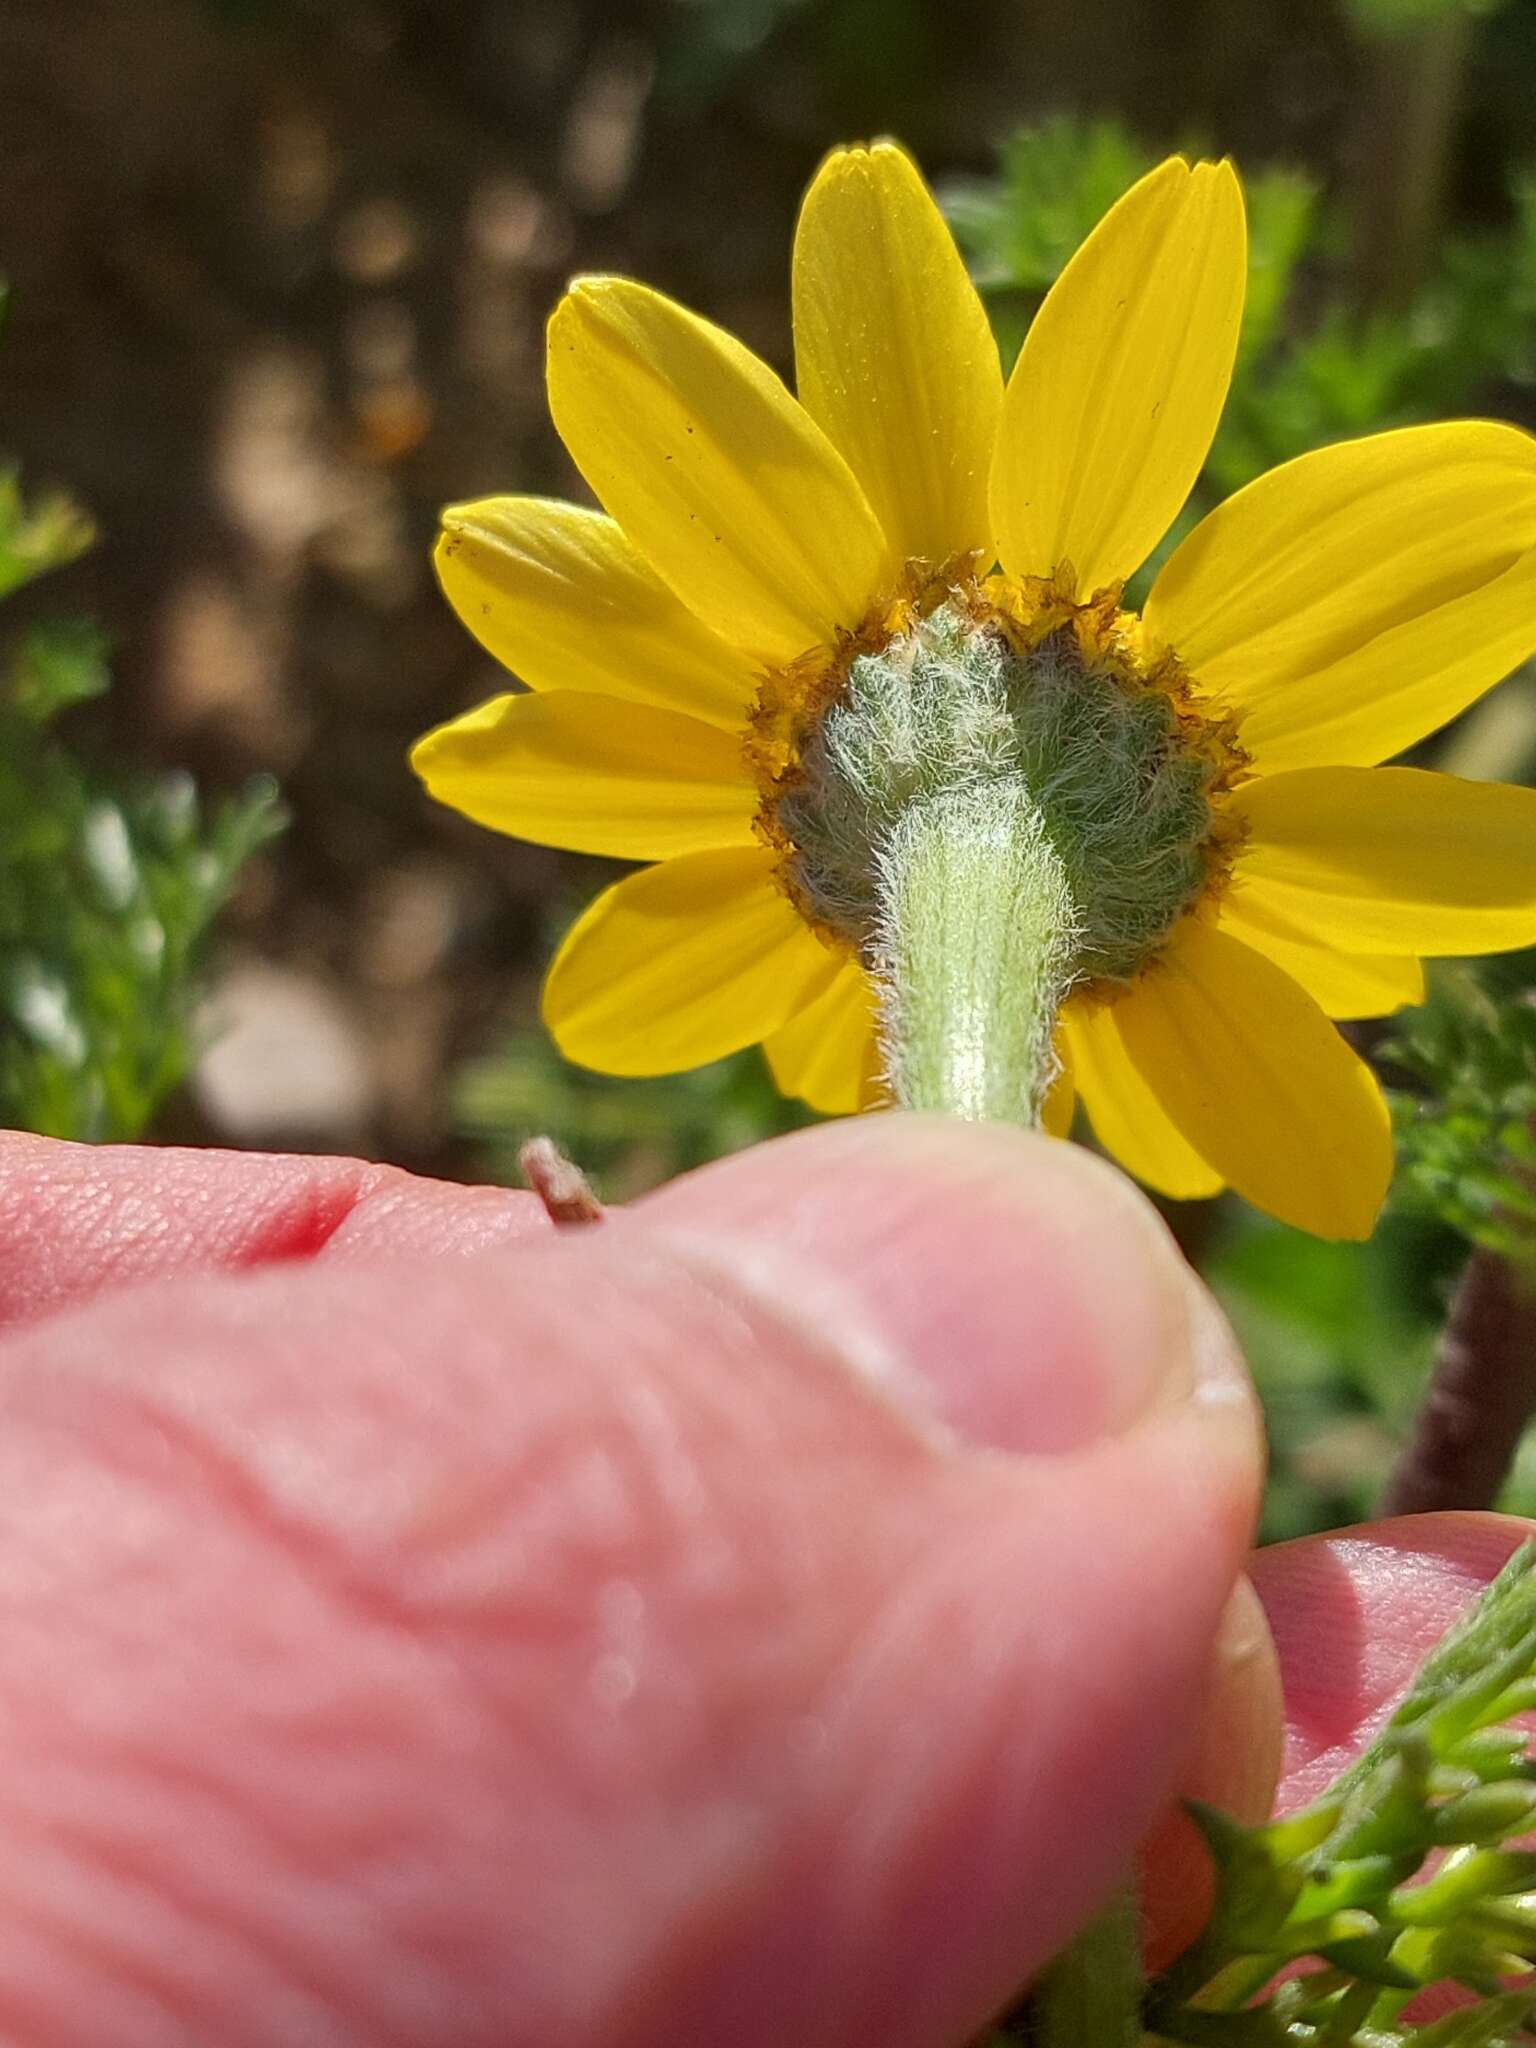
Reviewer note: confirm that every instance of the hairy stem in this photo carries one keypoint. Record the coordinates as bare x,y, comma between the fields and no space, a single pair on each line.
1482,1393
977,928
976,943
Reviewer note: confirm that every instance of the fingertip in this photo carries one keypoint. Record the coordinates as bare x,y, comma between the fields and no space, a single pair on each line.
1034,1293
1022,1715
1233,1763
1355,1612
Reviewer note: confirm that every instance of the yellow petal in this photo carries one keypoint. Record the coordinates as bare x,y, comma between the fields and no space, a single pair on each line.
1394,858
1353,600
1116,394
558,594
1127,1118
728,488
1341,984
1260,1083
592,773
681,964
894,355
823,1055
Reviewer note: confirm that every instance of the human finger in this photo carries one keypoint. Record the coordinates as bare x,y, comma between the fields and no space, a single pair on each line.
637,1635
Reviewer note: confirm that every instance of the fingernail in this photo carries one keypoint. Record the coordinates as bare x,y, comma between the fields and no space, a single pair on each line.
1018,1289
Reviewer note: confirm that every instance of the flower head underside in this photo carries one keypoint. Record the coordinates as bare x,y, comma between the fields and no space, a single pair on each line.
916,548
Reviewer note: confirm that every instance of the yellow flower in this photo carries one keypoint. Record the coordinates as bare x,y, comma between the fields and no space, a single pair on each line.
682,647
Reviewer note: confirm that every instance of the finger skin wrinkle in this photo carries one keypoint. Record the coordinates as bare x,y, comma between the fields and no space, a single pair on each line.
1354,1613
76,1220
160,1955
193,1831
495,1611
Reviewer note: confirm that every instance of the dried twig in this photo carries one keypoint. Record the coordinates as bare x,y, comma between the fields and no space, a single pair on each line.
559,1183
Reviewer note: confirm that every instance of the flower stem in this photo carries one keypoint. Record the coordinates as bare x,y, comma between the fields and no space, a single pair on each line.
974,952
978,930
1481,1395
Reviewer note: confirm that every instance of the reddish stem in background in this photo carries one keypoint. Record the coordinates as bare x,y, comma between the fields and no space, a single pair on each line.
1482,1393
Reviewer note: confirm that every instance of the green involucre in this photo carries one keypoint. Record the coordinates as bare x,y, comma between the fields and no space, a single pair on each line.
952,707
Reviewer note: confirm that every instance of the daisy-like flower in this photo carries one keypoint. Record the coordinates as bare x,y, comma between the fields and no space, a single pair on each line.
1233,868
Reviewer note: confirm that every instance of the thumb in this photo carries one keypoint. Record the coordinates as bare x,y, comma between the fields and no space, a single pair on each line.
773,1615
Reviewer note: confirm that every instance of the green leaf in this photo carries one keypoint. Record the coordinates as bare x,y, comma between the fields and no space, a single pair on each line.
1354,1883
1055,182
37,537
1465,1138
56,663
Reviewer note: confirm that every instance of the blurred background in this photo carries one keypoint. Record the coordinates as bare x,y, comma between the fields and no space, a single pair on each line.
278,274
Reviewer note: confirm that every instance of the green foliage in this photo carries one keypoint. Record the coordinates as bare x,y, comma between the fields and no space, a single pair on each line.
626,1135
106,894
1340,1338
107,887
1053,182
37,537
1467,1133
1402,1875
